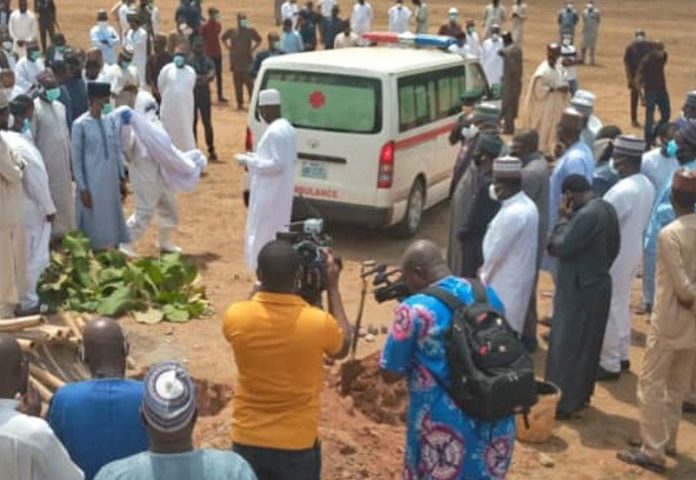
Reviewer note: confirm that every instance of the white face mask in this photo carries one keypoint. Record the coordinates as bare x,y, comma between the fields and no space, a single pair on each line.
7,92
495,37
491,193
469,132
7,45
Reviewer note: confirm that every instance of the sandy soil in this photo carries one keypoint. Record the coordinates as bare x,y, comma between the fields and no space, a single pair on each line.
211,230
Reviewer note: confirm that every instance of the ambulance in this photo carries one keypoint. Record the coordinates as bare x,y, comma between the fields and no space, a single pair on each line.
373,128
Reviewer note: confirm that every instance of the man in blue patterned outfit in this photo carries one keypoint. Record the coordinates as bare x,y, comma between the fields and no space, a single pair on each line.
443,442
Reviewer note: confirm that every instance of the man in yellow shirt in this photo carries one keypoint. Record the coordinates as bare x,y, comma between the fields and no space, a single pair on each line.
279,342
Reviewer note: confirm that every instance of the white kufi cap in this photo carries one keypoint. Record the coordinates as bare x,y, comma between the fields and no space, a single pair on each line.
269,96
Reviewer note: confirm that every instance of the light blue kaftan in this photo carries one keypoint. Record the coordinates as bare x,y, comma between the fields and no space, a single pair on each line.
98,168
662,215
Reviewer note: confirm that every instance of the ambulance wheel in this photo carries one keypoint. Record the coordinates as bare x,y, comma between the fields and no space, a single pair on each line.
414,210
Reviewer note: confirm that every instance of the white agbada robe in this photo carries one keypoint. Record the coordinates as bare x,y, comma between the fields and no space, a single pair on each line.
399,16
291,11
509,256
658,168
632,198
272,172
26,72
123,20
361,19
492,15
37,206
138,40
176,111
474,43
545,104
491,62
51,136
23,26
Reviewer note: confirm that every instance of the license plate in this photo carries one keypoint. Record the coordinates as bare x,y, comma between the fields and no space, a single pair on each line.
313,170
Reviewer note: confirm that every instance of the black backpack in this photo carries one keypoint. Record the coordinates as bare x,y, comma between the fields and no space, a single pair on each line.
491,373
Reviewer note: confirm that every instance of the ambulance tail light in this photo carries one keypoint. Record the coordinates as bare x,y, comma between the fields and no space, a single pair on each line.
385,175
249,140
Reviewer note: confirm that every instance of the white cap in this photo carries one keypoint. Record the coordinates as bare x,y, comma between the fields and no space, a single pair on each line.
453,11
586,95
270,96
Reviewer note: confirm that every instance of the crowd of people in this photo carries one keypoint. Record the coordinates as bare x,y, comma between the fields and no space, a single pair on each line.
581,200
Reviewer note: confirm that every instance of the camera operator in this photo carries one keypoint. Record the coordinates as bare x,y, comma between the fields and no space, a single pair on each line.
442,441
279,342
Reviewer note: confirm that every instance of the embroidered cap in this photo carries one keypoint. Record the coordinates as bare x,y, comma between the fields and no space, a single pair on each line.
169,402
629,146
507,167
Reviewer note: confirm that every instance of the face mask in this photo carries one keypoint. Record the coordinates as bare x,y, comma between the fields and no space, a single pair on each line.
107,108
103,23
469,132
244,23
671,149
491,193
471,30
35,55
179,61
60,48
495,37
7,44
125,65
640,38
276,45
52,94
26,126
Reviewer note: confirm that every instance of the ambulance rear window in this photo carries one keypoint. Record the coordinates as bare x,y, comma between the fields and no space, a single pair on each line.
330,102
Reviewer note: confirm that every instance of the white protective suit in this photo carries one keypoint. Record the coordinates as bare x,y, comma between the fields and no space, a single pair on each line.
51,136
157,171
491,62
509,256
632,198
138,40
176,87
272,171
37,206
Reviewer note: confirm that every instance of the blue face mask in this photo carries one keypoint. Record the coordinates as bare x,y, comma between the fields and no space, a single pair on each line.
107,108
125,65
179,60
671,149
26,125
52,94
35,55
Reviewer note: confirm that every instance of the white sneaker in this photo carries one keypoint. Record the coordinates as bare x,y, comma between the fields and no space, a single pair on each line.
127,250
169,247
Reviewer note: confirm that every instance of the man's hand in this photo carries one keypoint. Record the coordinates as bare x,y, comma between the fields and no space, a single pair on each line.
126,116
565,209
30,403
333,271
563,89
86,198
558,150
50,217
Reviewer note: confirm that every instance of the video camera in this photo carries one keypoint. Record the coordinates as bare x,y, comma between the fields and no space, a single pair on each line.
311,242
389,284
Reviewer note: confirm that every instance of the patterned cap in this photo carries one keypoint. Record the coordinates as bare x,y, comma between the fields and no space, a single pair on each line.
629,146
169,402
510,167
684,181
688,131
487,111
582,105
691,99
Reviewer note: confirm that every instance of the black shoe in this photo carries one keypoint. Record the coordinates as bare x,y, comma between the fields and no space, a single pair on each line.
625,365
688,407
636,124
223,100
607,376
212,156
636,457
19,312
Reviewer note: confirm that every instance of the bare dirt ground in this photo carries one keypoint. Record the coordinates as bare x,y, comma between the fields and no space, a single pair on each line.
212,225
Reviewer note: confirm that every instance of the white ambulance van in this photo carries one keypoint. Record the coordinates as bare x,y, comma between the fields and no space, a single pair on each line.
373,129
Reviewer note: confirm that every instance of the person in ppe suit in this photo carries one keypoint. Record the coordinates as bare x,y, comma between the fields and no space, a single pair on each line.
150,192
272,172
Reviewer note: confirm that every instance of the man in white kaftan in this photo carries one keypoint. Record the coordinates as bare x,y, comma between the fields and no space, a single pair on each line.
52,138
491,61
175,84
123,78
632,198
28,68
12,246
547,97
23,27
272,171
399,16
38,210
494,14
136,38
361,18
510,244
151,192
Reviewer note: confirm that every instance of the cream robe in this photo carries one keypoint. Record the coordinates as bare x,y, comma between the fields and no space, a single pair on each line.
545,104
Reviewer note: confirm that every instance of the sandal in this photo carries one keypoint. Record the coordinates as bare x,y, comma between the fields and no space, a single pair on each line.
636,457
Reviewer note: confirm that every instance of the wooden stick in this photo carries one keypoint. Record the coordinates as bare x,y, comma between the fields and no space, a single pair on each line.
46,377
52,331
26,345
72,324
18,324
44,392
48,356
80,321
